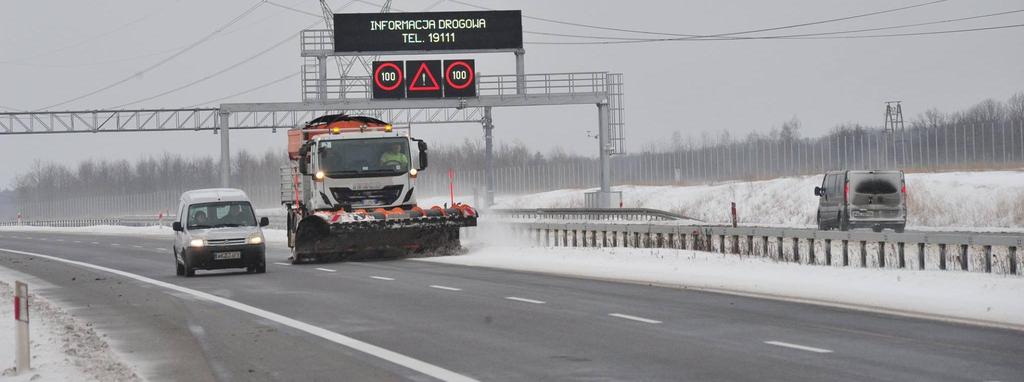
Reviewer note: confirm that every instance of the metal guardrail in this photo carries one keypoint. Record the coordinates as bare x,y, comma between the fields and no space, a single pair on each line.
626,214
966,251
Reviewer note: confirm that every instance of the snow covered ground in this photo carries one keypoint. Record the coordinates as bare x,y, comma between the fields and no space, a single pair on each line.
62,347
958,296
990,200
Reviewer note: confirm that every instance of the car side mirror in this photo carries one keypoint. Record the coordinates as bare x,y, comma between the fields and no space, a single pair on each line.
818,191
177,227
423,154
264,221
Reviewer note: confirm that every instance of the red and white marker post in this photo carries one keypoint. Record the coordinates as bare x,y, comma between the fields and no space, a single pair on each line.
451,185
21,342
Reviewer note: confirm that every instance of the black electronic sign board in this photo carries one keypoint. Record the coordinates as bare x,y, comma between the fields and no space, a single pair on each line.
423,79
428,31
388,79
459,78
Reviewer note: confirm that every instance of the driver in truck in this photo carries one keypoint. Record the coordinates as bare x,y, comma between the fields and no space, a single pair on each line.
394,156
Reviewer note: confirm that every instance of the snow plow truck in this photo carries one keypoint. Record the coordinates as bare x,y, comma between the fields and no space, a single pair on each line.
350,193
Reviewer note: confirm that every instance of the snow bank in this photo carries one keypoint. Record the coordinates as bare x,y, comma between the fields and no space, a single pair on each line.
961,296
62,347
987,199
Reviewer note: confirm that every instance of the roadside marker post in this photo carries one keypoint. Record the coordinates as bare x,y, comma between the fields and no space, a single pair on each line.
21,327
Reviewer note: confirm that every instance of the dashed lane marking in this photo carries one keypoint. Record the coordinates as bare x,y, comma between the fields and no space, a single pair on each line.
340,339
520,299
444,287
327,270
382,278
798,347
283,264
634,318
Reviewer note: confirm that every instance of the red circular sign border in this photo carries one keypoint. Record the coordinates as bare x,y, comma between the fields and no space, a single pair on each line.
398,81
448,71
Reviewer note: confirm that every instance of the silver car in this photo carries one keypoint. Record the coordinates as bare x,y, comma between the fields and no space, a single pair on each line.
217,229
862,199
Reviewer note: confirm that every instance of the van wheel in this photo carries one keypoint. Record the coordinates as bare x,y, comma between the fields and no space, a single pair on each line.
189,271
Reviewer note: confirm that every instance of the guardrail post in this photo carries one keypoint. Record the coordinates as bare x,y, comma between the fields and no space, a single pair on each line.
846,253
863,254
1013,260
810,252
736,244
682,240
583,239
988,259
796,250
902,260
547,237
575,238
780,243
881,254
920,256
942,256
750,245
721,243
828,251
963,257
764,246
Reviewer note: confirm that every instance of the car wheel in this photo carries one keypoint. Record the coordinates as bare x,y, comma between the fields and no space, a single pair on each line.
178,268
262,268
189,271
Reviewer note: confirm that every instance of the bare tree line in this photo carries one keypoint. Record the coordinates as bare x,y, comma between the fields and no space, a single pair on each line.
986,135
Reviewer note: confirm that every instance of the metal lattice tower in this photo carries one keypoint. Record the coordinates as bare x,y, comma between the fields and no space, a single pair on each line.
893,116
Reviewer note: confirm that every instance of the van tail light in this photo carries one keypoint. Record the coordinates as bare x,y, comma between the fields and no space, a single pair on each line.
846,192
904,189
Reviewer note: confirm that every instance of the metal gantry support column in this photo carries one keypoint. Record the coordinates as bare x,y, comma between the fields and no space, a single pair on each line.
488,157
321,81
604,153
225,150
520,72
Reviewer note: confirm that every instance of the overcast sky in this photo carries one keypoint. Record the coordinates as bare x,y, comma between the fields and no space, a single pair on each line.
52,51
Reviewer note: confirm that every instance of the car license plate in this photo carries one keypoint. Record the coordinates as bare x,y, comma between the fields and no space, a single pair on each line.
227,255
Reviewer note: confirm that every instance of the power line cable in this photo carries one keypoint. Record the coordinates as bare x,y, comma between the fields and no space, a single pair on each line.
875,13
792,37
944,21
250,90
163,61
217,73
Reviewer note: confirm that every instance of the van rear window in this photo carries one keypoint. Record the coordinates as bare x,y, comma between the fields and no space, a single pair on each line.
878,183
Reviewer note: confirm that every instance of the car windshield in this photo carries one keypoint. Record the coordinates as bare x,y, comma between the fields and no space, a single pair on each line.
220,214
364,157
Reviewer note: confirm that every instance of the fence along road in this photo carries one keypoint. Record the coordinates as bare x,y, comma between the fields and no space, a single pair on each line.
644,228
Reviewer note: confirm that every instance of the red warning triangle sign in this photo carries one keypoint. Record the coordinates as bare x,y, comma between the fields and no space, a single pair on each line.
423,74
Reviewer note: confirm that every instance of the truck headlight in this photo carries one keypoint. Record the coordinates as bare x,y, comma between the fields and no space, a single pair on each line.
197,243
255,239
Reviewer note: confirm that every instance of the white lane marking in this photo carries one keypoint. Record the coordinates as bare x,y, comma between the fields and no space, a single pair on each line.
444,287
340,339
520,299
93,242
282,263
61,240
77,242
137,246
115,244
327,270
634,318
798,347
43,239
382,278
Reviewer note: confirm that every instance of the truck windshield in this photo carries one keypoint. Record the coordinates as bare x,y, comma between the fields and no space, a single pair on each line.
364,157
220,214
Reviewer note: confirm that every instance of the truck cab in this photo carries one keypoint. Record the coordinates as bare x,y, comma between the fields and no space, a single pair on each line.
364,165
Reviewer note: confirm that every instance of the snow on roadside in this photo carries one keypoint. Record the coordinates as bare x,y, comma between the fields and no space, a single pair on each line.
62,347
966,296
993,200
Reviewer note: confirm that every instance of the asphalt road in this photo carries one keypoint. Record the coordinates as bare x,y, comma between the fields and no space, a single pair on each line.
480,323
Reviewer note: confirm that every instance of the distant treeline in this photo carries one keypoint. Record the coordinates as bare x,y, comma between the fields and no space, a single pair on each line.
251,171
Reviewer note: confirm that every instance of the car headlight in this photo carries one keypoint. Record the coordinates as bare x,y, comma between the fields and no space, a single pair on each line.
197,243
255,239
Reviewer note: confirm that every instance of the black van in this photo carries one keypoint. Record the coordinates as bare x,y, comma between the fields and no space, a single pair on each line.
862,199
